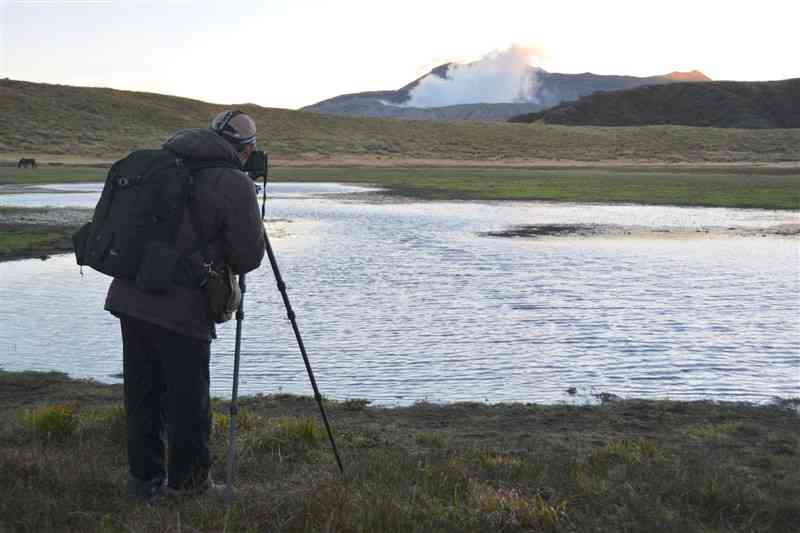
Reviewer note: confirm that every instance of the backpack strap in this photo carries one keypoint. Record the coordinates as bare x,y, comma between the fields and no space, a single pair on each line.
203,244
193,167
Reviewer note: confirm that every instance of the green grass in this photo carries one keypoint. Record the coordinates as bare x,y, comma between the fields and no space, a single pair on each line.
50,174
29,240
57,422
621,466
732,187
758,188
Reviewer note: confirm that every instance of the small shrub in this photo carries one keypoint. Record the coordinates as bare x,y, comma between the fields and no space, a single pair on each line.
355,404
711,431
219,423
546,514
245,421
302,429
581,475
449,480
429,439
55,422
497,460
508,507
109,422
627,451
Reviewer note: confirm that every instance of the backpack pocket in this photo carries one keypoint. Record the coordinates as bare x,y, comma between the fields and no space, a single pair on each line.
157,269
79,241
223,295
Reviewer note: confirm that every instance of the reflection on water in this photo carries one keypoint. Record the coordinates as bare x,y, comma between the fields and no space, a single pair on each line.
85,195
402,302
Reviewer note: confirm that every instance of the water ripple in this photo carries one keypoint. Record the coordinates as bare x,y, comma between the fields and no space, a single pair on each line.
403,302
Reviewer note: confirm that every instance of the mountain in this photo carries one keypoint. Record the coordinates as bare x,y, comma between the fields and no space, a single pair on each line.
721,104
546,90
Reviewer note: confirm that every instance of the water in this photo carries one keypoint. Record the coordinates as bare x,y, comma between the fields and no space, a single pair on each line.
405,301
85,195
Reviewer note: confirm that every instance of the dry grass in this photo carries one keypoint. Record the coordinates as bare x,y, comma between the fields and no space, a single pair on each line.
87,124
622,466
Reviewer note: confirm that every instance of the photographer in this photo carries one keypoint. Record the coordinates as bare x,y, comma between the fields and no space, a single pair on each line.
166,335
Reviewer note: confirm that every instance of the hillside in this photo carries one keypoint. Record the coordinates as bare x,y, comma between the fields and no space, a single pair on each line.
66,123
719,104
547,89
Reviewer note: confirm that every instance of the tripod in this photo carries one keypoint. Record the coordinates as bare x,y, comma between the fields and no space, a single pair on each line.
290,314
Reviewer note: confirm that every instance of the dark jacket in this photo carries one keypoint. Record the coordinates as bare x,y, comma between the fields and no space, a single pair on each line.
226,208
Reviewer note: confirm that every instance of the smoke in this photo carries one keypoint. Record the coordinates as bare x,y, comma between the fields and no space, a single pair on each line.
499,77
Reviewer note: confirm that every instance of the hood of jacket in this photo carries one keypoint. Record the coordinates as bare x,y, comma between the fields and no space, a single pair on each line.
201,144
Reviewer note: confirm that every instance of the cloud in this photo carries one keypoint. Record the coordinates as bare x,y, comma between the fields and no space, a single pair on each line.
499,77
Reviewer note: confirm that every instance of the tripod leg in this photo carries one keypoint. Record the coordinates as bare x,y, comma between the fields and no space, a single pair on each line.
234,406
290,314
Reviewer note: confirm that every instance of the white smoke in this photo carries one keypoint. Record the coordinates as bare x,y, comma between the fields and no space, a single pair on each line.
499,77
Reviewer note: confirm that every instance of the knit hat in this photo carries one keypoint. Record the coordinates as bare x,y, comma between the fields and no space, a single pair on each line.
235,126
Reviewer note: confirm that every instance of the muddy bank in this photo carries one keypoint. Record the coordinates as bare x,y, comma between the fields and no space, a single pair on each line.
534,231
62,216
40,241
38,233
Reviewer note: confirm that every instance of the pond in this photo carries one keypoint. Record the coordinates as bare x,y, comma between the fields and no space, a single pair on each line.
400,301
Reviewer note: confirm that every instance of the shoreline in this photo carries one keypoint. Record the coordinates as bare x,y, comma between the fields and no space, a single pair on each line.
739,185
544,231
10,159
50,383
573,397
38,233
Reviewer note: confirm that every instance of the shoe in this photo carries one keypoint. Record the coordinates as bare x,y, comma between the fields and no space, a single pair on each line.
218,490
144,490
209,488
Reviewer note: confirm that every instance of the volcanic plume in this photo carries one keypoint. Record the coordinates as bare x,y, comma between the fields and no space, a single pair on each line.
501,76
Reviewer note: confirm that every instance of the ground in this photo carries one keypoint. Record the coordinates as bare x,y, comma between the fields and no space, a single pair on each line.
617,465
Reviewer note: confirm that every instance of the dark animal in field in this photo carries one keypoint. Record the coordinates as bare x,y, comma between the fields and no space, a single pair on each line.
26,163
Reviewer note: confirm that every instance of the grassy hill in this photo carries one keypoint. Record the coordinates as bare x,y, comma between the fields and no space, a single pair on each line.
722,104
65,123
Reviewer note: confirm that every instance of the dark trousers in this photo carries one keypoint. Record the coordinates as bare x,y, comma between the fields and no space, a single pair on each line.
166,394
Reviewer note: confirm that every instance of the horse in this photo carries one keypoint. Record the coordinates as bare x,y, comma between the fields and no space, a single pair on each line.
26,162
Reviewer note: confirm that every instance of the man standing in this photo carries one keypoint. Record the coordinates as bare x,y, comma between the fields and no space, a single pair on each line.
166,336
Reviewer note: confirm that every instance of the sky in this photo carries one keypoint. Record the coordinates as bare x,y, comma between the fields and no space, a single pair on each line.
291,53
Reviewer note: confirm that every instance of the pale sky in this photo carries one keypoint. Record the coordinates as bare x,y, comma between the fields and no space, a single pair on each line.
283,53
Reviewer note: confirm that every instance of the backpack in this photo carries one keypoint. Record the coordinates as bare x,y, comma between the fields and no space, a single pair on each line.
135,223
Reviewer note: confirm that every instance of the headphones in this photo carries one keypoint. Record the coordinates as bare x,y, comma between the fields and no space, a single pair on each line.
222,126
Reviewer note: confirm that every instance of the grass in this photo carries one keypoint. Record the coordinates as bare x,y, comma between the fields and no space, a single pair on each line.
57,422
32,240
50,174
619,466
721,103
733,187
756,188
105,124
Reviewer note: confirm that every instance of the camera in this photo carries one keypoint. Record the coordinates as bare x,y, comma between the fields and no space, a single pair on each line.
256,166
